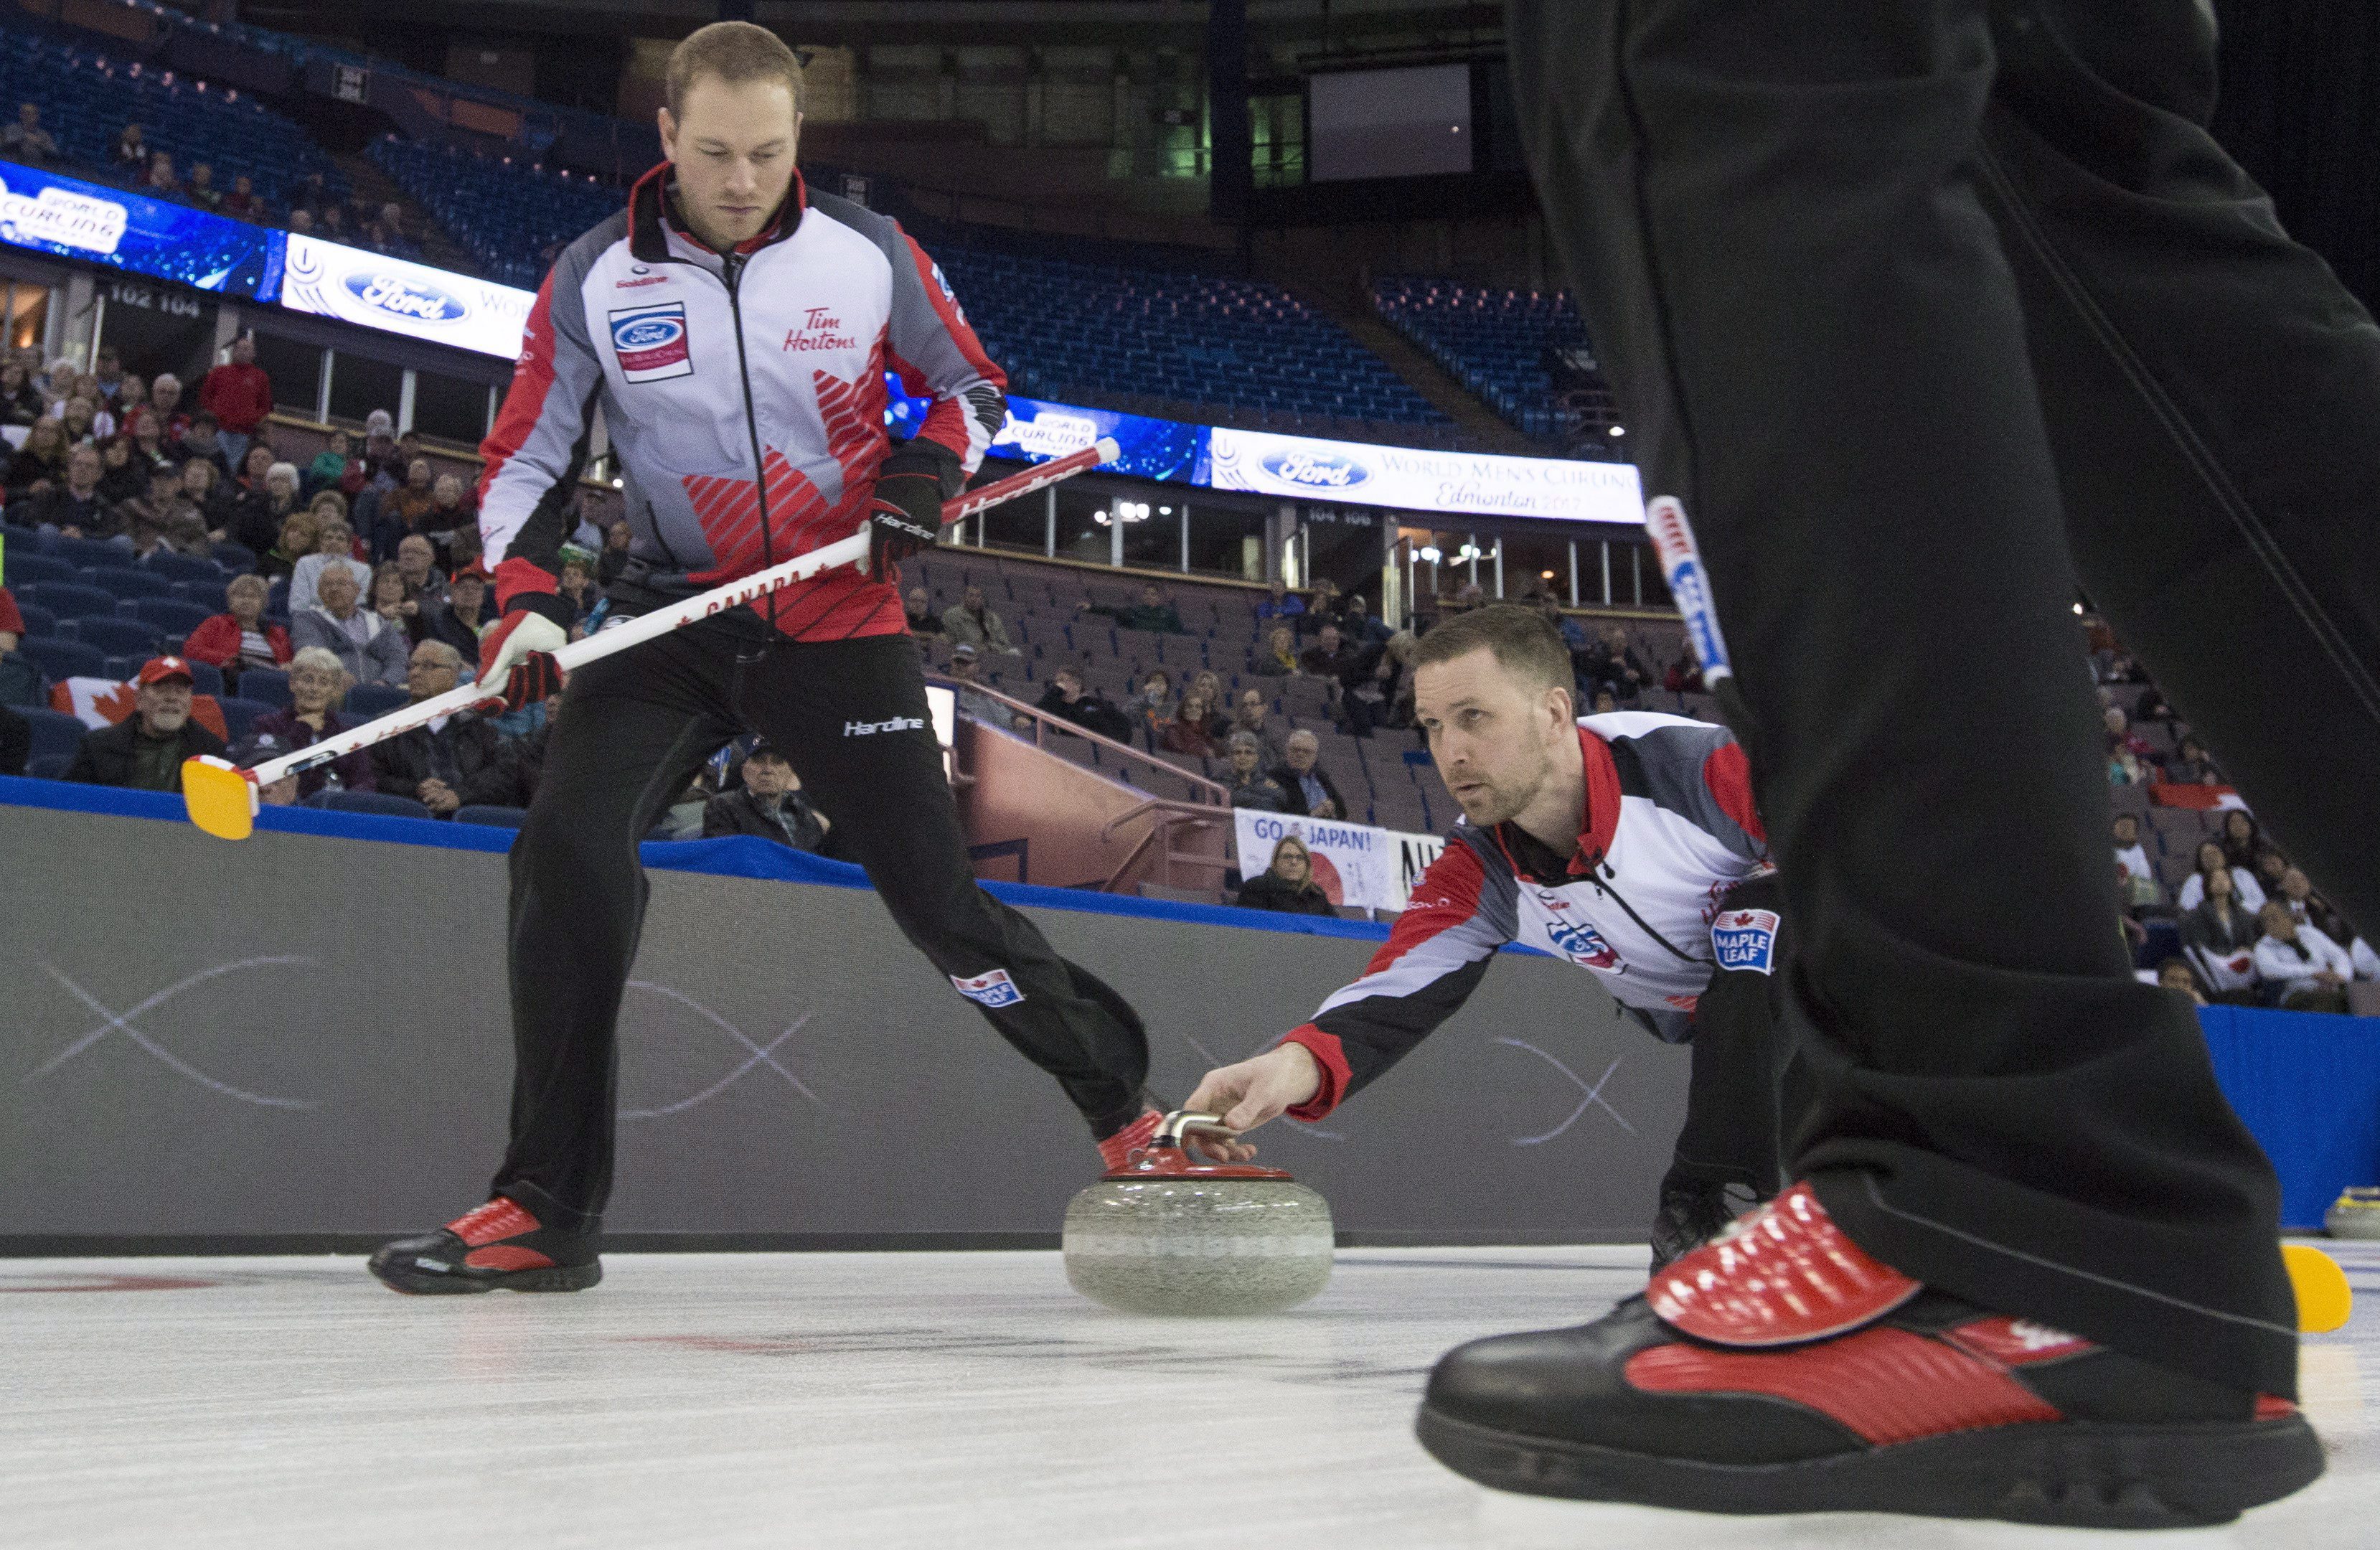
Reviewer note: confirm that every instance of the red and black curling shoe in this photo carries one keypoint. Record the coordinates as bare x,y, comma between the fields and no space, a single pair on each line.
1781,1369
499,1247
1116,1152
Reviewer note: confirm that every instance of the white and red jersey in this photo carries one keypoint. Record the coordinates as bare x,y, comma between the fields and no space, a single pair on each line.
743,394
1670,828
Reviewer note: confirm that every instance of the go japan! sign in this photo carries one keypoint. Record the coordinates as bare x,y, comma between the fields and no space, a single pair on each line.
1354,863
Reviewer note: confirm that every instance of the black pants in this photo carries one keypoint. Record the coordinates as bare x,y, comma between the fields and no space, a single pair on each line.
851,716
1929,311
1745,1091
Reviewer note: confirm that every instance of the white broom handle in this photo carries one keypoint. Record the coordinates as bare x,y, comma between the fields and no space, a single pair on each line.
645,627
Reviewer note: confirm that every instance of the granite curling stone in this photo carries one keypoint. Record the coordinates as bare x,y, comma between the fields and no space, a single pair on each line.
1166,1235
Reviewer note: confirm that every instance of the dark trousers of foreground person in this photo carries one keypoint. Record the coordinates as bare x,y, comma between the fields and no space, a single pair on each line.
851,716
1930,311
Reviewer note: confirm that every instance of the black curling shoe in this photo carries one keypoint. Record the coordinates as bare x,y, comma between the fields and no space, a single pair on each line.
499,1247
1782,1370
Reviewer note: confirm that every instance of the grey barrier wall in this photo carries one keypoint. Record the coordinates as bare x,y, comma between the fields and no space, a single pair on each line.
305,1037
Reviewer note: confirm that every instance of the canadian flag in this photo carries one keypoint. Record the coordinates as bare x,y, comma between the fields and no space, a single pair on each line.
2206,799
105,702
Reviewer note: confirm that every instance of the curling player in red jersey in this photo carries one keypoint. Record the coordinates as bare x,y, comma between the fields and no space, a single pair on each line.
735,329
1923,313
1626,844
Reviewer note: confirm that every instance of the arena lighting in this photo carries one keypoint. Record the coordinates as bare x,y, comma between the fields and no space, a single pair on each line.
1619,430
1545,575
1431,554
2078,607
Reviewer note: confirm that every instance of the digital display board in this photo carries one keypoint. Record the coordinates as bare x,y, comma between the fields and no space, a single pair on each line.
71,218
372,290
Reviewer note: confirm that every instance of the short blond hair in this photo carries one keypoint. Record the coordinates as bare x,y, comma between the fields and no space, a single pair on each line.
734,52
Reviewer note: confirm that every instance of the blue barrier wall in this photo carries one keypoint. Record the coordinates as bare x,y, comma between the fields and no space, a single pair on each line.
2309,1087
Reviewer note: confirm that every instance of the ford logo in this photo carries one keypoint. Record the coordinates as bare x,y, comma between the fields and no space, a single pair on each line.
649,333
1317,470
405,299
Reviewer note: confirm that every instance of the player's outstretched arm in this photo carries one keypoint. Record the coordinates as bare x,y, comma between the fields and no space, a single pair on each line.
1253,1092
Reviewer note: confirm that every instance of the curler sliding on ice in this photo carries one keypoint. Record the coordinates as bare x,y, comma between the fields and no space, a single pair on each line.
223,799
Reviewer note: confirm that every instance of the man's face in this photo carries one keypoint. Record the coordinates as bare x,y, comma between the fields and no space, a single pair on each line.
166,393
243,349
963,667
1328,638
432,672
82,469
768,775
2296,886
1151,597
28,114
417,473
1252,707
972,600
469,592
337,588
1355,608
1493,734
1244,759
413,556
2279,923
918,602
1303,750
2175,976
165,706
447,492
196,475
733,146
2115,720
281,793
1070,686
2128,831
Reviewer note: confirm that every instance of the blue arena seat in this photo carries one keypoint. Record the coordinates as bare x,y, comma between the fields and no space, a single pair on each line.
37,619
131,581
235,559
270,685
89,552
206,679
54,733
187,568
171,614
118,635
69,599
60,658
493,817
369,701
238,711
23,564
49,766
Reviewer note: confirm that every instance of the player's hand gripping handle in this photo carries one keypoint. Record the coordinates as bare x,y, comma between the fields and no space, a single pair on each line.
1253,1092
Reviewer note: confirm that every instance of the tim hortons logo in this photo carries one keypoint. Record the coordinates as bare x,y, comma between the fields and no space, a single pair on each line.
818,333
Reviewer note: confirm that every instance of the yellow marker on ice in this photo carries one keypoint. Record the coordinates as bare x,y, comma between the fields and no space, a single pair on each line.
2324,1298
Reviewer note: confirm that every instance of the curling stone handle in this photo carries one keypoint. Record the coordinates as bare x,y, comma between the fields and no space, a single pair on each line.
1182,1121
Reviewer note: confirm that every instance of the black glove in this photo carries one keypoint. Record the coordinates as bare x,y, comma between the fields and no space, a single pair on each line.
904,517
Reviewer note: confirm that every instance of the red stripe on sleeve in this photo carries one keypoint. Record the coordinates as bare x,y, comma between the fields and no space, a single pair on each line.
1728,774
1327,1053
524,399
1447,895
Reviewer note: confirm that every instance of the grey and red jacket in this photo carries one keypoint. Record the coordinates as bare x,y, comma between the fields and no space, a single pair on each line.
744,397
1670,828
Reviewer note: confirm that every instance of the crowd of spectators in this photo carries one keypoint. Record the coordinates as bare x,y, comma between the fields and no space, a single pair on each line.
138,165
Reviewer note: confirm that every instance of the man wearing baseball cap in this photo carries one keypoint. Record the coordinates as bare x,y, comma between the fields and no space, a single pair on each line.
145,751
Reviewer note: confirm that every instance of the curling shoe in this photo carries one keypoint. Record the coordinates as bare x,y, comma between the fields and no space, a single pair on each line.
499,1247
1115,1152
1781,1369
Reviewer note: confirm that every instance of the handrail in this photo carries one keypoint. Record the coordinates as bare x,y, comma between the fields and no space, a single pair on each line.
1219,794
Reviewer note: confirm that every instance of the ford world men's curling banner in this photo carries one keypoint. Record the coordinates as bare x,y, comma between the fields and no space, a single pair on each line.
74,219
71,218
